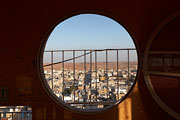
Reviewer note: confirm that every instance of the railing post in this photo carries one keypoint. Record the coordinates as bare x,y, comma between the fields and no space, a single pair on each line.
96,72
52,69
74,72
117,75
21,115
107,73
12,115
84,97
90,72
128,70
63,73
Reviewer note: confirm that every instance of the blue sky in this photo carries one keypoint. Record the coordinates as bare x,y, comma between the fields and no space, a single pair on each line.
89,31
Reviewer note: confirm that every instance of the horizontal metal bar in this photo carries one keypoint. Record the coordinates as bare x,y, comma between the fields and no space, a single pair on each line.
95,103
89,50
15,112
165,52
164,73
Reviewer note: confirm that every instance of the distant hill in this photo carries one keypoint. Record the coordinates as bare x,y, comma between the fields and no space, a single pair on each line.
102,65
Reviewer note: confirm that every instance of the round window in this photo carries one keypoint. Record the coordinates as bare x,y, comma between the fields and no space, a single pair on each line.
161,66
89,62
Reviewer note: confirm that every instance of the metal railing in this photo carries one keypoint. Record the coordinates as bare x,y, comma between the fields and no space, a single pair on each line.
16,115
86,92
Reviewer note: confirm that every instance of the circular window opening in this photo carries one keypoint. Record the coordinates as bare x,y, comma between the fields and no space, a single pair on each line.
89,62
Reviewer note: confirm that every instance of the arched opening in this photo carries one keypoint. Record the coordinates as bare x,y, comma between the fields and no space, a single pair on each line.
162,65
89,62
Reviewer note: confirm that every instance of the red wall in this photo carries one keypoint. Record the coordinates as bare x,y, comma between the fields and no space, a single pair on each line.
25,25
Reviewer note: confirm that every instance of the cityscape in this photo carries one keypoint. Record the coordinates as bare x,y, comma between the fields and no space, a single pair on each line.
91,85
